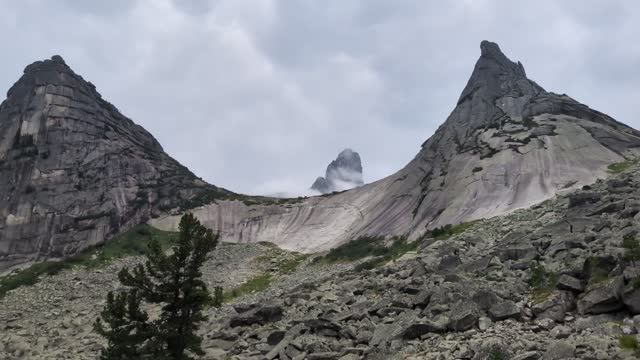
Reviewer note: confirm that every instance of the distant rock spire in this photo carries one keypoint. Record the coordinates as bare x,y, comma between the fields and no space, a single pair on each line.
345,172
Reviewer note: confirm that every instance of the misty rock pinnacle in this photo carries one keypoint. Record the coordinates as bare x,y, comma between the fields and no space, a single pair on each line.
343,173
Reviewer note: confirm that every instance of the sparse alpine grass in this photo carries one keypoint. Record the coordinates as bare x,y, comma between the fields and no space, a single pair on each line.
285,263
447,231
364,247
134,242
619,167
629,342
256,284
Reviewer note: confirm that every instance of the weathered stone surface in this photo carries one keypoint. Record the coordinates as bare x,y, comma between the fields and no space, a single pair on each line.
559,350
504,310
555,306
631,298
74,171
258,315
602,297
566,282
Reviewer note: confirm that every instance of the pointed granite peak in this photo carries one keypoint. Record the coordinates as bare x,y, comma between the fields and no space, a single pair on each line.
495,75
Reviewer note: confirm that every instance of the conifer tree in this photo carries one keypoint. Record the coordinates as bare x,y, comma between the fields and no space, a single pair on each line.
173,281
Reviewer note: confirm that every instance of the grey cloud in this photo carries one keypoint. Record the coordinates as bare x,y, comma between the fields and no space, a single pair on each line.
259,95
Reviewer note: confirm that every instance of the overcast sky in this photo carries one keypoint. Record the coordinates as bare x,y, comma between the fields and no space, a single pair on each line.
258,96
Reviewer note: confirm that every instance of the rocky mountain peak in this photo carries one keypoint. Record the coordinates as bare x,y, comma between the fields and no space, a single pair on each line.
345,172
74,171
495,75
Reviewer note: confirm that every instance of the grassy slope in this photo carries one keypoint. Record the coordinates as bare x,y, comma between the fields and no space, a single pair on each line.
131,243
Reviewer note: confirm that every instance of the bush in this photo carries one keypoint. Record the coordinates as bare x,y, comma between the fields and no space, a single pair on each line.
543,283
631,248
369,247
629,342
447,231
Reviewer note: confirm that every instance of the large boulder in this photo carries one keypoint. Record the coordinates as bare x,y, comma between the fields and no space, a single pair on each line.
631,298
555,306
258,315
602,297
567,282
504,310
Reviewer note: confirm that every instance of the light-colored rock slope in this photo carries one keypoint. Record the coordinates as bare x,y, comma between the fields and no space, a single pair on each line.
507,145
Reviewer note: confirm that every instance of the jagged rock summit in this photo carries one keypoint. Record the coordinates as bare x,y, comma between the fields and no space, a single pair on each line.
507,144
343,173
74,171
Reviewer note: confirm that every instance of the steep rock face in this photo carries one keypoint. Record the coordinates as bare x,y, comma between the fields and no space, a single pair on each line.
343,173
507,144
74,171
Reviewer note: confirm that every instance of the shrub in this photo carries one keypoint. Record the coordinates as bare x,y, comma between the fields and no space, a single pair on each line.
543,283
369,247
631,248
447,231
477,168
629,342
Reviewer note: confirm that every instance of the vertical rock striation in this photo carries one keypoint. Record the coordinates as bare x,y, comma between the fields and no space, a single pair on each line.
74,171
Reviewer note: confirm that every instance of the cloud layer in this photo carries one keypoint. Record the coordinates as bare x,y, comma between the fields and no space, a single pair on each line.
259,95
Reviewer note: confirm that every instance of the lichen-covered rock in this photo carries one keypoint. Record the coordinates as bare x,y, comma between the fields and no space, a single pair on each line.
602,297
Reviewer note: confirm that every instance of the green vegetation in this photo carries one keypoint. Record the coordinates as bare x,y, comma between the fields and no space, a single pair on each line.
447,231
290,264
497,354
619,167
542,282
211,195
368,247
173,283
134,242
631,248
253,285
629,342
286,263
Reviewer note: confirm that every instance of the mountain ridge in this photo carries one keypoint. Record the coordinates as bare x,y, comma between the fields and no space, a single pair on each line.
507,144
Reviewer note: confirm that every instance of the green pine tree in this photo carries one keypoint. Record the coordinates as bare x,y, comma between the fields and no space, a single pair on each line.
127,328
175,283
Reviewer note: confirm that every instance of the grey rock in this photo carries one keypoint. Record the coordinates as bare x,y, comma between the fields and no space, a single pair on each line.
602,297
343,173
631,298
555,306
529,355
560,332
258,315
74,171
504,310
463,319
566,282
559,350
